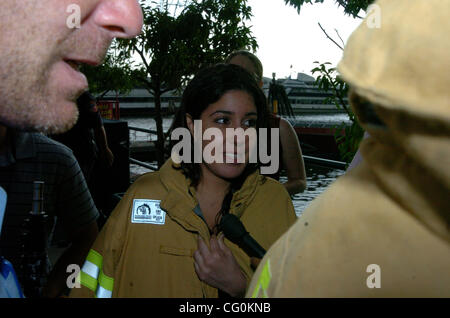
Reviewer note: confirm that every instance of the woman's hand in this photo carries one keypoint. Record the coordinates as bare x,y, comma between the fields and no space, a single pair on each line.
217,267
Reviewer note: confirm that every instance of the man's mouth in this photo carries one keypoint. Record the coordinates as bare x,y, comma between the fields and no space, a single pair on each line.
77,62
74,64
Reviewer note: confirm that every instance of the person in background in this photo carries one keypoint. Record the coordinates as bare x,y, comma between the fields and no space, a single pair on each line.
26,157
291,158
87,139
164,237
88,142
383,228
40,54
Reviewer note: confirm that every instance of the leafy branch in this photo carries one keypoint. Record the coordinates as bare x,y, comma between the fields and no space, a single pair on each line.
175,45
328,80
351,7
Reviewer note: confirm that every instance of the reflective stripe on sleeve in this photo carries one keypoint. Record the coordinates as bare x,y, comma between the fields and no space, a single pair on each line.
92,276
88,281
103,293
105,287
90,269
95,258
263,281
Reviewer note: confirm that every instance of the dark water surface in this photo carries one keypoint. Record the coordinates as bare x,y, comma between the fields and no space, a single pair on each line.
318,179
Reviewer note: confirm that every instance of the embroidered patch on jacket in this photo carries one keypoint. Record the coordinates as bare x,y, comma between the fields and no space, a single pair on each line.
147,211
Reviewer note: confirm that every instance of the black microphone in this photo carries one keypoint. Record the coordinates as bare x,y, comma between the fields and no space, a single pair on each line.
235,231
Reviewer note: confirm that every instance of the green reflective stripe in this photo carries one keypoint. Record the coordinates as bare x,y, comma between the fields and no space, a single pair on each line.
88,281
256,291
263,281
266,275
95,258
105,281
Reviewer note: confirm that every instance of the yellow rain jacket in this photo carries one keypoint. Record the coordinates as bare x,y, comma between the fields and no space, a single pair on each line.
155,259
382,230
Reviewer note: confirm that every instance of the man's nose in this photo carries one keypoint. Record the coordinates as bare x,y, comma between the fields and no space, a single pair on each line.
122,18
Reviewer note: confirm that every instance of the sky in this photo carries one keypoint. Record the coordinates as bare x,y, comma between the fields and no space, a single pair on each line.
287,38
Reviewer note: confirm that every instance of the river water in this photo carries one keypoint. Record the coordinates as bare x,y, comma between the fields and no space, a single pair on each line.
318,178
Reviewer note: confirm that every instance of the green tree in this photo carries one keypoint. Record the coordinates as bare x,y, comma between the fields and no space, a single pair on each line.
351,7
172,48
327,81
114,74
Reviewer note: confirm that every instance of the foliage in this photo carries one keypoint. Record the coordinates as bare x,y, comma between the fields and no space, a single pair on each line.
328,80
351,7
348,142
115,74
173,48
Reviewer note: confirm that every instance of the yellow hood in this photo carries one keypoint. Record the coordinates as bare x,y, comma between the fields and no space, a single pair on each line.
403,73
404,68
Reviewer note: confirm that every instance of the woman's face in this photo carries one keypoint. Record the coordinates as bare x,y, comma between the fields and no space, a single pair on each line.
228,148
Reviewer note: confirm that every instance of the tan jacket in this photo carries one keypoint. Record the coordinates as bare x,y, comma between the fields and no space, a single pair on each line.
383,229
156,260
369,216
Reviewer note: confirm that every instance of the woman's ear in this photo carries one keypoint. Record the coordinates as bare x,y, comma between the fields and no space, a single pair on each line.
190,124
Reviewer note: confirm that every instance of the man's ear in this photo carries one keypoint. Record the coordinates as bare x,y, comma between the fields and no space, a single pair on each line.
190,124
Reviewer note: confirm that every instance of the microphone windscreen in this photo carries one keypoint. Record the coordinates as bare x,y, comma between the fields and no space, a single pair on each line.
235,231
232,227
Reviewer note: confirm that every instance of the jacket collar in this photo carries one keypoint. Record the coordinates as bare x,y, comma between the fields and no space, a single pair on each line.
181,201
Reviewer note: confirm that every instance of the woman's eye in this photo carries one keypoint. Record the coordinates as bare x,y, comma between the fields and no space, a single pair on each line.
250,123
221,120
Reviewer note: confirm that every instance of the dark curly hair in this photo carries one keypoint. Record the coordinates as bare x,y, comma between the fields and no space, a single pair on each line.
206,88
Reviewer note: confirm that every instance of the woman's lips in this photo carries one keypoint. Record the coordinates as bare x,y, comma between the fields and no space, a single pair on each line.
233,158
